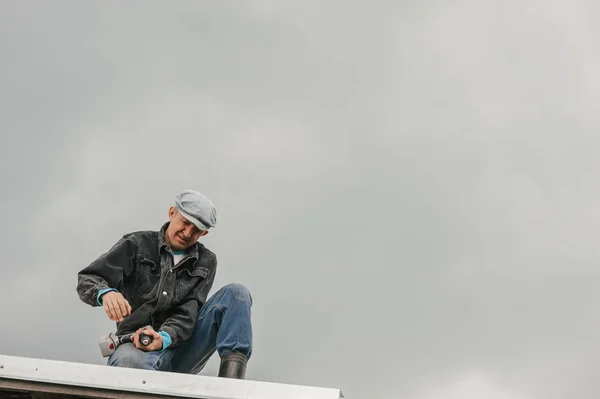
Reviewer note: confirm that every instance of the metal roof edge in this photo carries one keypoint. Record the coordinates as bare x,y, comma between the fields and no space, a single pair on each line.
150,382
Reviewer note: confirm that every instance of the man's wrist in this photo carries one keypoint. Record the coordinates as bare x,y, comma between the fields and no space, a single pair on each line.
166,339
102,292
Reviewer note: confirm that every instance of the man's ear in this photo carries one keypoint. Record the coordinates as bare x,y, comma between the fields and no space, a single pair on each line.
203,233
172,212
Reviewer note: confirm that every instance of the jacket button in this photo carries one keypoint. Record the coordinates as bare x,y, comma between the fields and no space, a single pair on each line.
165,293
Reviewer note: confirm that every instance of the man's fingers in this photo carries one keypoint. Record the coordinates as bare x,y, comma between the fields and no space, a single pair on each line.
155,345
116,306
123,307
115,310
137,342
110,311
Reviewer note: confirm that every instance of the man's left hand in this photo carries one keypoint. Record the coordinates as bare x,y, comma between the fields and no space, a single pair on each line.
156,343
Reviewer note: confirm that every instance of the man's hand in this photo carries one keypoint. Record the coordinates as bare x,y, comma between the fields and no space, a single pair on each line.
156,343
115,306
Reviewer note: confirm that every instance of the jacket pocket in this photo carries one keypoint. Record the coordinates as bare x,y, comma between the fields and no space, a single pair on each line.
147,266
188,280
147,277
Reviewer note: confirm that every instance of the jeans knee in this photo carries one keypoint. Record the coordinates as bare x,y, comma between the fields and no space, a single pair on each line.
133,362
128,357
239,291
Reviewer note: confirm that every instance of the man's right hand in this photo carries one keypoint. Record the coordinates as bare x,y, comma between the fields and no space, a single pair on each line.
115,306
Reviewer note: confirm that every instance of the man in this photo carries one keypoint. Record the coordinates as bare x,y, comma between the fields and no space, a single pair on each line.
161,279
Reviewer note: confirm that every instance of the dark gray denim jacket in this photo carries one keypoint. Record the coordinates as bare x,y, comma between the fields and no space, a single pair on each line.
166,296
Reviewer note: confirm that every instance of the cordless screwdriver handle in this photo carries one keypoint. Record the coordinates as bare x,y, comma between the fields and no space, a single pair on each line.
145,339
108,343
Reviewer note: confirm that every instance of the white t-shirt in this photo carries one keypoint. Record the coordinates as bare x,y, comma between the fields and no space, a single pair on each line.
177,256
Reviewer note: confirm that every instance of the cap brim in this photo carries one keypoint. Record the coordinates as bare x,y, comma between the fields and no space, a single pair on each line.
192,219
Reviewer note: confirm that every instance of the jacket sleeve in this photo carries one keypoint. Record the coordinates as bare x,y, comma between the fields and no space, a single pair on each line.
107,271
180,324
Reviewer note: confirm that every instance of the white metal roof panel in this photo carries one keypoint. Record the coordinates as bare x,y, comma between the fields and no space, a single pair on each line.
148,382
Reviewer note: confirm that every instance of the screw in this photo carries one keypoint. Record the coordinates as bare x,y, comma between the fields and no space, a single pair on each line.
143,381
1,366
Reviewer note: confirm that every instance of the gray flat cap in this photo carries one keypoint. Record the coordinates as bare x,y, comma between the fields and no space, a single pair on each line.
197,208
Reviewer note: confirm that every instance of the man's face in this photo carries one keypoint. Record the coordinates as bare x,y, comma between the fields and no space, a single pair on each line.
181,233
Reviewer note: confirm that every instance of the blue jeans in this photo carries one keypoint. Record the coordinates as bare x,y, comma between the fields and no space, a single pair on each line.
223,325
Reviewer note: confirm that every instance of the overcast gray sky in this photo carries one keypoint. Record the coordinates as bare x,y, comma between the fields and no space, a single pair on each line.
409,189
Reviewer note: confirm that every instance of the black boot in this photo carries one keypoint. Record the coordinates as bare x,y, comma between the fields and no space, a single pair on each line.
233,365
